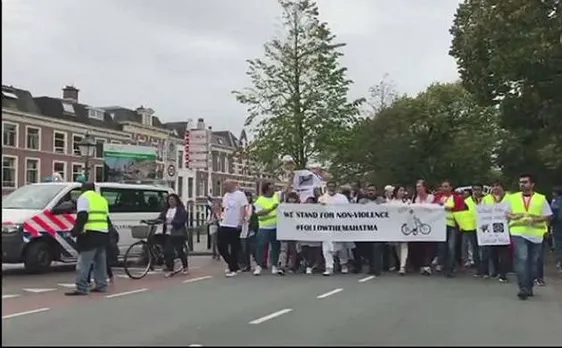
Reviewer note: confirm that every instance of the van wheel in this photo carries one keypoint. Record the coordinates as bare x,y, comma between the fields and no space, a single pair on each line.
38,258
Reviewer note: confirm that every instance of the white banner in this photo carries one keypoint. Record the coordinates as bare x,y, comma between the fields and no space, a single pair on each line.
492,227
361,222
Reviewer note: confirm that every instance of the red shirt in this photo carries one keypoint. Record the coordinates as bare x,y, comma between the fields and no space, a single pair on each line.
458,201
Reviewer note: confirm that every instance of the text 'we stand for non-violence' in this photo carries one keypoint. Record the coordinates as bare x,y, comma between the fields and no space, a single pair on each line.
337,215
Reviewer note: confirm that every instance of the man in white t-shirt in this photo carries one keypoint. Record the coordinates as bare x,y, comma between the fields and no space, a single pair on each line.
234,205
330,249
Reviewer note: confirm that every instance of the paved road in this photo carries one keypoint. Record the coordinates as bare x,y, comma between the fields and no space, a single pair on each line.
208,309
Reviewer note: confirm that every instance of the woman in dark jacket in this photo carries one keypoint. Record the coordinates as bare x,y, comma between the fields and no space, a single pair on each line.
174,217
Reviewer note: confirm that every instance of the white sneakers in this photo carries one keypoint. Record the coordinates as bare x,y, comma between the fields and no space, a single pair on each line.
309,270
257,270
328,272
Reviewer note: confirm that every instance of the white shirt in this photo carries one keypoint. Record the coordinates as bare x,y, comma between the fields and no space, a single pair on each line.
232,204
337,198
169,217
428,199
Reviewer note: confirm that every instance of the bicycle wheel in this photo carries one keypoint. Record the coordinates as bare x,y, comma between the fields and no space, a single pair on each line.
137,260
425,229
406,230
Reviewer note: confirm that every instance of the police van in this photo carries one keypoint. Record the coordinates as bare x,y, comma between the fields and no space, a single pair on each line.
36,231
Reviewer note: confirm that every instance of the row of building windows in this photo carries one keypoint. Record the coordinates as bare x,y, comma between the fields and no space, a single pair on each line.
33,174
33,140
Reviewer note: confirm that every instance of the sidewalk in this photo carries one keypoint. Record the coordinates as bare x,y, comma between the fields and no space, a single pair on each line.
200,248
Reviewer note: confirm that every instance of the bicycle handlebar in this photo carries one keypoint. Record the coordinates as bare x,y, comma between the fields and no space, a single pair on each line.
152,222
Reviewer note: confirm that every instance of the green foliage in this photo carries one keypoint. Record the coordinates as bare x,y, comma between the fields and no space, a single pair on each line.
510,55
441,133
298,102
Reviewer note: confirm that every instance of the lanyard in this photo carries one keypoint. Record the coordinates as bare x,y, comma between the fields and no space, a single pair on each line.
527,202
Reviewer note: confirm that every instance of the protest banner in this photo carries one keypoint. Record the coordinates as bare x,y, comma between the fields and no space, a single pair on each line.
361,223
492,226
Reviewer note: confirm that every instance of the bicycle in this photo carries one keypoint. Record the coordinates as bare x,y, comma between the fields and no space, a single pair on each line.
150,253
419,227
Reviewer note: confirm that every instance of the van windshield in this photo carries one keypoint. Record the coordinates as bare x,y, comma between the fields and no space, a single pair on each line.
34,197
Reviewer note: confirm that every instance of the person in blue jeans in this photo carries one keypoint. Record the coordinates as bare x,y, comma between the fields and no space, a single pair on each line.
529,213
266,210
556,206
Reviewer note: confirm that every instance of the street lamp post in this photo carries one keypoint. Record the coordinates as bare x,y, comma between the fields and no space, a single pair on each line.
87,149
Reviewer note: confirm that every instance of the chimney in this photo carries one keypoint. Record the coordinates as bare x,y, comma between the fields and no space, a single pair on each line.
70,93
200,123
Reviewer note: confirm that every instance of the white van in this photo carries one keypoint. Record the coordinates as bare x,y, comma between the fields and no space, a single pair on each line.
34,235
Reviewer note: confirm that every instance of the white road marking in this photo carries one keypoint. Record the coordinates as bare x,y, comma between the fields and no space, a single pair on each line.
9,296
195,345
127,293
38,291
197,279
13,315
330,293
270,316
366,279
67,285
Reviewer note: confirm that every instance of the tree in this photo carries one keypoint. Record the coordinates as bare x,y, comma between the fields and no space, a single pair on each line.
510,55
298,103
441,133
381,96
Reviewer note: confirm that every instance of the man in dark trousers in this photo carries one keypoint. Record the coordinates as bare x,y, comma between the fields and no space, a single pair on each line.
91,232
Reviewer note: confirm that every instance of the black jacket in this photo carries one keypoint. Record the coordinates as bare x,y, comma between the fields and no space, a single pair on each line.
179,222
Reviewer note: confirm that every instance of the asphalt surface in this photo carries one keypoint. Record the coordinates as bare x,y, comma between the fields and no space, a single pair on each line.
207,309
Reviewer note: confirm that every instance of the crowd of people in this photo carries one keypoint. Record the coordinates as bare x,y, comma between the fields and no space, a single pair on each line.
244,232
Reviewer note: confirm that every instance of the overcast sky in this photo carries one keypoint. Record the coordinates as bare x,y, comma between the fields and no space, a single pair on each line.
183,57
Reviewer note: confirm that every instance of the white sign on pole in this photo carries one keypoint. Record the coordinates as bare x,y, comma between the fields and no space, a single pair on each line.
492,225
361,222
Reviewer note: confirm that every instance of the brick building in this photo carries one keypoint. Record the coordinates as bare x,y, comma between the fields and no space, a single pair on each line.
40,136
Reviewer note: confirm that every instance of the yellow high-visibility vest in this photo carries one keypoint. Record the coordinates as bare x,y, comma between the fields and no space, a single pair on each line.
97,213
270,219
490,199
534,208
466,219
450,218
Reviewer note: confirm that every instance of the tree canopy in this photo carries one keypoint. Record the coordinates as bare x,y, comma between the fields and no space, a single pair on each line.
509,54
441,133
298,103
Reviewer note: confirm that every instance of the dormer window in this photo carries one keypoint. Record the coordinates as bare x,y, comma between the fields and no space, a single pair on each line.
95,114
147,120
9,94
220,141
68,108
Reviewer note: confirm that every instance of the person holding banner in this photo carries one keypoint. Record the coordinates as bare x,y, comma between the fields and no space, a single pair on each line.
399,198
372,251
427,249
528,215
468,226
266,210
497,255
311,251
329,248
